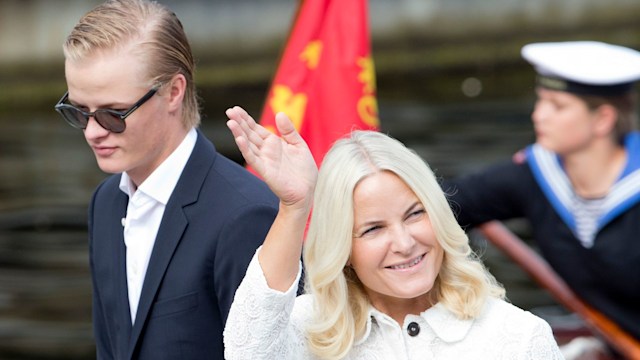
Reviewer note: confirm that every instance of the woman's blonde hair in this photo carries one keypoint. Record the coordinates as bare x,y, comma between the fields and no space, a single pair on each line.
341,305
157,34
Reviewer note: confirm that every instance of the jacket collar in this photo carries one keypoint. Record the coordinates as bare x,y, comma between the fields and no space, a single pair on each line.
445,324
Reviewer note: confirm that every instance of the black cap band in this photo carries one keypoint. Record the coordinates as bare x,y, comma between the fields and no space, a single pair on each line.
583,89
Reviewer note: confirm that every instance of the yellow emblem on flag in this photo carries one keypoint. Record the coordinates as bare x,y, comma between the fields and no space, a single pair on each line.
294,105
368,110
368,104
368,74
311,54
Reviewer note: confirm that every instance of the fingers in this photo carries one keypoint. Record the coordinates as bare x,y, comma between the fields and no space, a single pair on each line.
249,125
287,130
242,118
245,132
248,153
246,126
254,141
234,126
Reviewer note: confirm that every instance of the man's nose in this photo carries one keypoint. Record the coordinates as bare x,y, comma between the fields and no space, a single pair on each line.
93,129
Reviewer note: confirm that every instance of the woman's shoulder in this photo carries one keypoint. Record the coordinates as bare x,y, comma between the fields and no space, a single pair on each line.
515,332
303,308
495,305
304,302
502,312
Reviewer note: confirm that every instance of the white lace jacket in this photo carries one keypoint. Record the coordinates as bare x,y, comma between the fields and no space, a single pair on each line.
268,324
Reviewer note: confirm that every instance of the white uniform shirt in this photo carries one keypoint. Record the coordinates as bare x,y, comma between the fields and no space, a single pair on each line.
267,324
144,214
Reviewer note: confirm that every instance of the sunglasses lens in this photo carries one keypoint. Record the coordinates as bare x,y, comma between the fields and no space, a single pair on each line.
109,121
73,116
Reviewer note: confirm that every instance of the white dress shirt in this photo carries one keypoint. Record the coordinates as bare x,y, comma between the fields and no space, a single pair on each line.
144,214
267,324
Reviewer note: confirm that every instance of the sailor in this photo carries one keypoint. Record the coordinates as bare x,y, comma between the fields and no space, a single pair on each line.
579,184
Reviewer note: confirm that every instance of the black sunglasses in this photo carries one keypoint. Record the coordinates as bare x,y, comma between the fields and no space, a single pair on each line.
109,119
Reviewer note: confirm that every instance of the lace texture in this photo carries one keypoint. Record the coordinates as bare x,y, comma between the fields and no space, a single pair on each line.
268,324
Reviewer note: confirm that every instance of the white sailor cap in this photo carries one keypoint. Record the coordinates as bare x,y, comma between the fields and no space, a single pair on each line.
584,67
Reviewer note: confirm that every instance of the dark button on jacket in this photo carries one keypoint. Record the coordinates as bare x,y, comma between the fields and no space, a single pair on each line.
413,329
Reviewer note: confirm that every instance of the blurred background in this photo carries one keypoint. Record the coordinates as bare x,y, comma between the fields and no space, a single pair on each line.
451,85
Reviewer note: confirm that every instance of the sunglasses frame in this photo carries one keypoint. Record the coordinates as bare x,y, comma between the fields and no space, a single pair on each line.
121,115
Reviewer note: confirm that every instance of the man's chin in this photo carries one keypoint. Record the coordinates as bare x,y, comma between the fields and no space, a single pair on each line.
110,167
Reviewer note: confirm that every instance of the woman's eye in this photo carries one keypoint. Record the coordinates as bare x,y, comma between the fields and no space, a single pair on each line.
370,230
416,214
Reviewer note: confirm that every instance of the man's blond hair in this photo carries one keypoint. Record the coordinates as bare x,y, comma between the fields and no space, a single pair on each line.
155,32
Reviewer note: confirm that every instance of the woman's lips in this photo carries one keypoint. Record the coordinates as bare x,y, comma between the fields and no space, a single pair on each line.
408,264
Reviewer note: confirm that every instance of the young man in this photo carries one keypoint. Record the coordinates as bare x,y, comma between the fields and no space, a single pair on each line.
579,184
173,230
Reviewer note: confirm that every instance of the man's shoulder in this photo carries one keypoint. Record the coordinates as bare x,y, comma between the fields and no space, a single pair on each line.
229,173
230,185
108,186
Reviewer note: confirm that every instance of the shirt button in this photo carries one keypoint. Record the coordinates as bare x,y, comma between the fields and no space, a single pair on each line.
413,329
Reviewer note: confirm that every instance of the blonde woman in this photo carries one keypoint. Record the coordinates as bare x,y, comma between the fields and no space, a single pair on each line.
389,273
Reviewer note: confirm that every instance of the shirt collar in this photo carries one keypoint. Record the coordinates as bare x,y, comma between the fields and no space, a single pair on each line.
160,184
445,324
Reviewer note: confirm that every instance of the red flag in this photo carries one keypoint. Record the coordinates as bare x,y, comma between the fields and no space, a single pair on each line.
325,81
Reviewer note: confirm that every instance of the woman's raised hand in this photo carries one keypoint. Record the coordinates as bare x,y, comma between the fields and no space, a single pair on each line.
285,163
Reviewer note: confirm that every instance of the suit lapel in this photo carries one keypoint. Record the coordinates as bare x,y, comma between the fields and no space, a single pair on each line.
117,255
124,312
174,222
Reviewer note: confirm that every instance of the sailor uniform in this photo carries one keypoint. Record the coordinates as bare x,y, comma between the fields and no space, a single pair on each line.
547,169
593,244
602,265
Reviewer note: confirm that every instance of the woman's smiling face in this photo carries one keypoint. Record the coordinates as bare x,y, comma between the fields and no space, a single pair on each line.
395,252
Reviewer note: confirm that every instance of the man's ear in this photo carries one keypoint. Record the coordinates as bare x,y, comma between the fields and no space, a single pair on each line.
606,118
176,89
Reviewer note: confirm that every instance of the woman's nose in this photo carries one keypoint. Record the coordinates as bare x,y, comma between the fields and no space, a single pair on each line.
402,241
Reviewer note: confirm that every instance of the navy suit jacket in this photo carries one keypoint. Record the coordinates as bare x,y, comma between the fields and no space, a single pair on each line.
216,217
